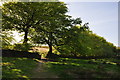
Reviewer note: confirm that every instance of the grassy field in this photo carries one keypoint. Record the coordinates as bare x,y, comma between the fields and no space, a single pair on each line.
63,68
81,68
17,67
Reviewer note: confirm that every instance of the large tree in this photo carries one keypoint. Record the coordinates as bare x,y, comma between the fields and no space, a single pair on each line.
44,18
22,16
55,19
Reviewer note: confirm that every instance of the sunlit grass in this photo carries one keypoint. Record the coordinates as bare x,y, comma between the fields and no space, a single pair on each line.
81,68
64,68
43,50
17,67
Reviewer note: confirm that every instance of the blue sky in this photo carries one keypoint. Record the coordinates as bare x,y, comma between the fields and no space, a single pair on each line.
102,17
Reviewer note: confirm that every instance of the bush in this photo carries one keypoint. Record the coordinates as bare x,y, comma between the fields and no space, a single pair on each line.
8,47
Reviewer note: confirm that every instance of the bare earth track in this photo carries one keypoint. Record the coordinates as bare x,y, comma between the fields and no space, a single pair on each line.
41,71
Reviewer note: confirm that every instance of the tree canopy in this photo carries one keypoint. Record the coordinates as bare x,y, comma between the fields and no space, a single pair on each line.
85,43
48,23
23,16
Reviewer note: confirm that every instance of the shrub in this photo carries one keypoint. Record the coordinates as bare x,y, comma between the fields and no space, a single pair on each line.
8,47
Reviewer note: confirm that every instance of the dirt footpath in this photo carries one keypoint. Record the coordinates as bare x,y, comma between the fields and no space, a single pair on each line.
41,72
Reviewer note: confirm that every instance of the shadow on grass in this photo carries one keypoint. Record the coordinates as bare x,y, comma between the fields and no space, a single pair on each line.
17,67
81,68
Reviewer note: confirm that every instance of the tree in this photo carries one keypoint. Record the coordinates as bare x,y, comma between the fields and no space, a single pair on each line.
85,43
54,21
45,18
71,38
22,16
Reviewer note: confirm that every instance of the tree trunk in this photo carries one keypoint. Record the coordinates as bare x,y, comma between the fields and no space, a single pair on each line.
49,55
50,49
25,36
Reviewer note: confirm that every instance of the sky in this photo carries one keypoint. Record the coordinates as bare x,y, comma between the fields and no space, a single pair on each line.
102,17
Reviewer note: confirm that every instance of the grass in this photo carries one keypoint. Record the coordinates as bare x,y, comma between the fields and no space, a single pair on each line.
81,68
63,68
17,67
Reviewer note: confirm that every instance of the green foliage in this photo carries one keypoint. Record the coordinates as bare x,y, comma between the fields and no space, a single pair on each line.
8,47
47,23
81,42
22,47
19,16
53,21
44,17
7,39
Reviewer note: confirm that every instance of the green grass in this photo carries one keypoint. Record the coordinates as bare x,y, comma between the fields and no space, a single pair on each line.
81,68
17,67
63,68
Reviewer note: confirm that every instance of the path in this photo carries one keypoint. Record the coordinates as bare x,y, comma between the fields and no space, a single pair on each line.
41,72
